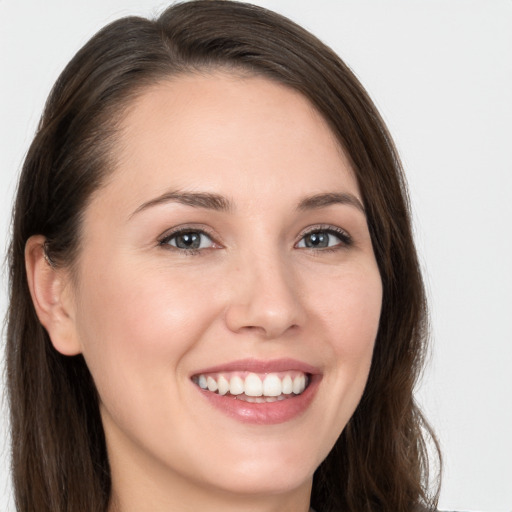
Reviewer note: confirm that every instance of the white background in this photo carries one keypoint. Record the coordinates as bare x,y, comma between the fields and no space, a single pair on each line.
440,71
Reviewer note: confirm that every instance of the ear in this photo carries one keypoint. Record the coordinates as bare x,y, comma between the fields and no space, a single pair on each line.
51,292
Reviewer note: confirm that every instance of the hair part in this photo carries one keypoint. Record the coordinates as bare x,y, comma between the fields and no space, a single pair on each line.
59,456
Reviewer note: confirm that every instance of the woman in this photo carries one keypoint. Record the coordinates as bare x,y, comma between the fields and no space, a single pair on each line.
215,297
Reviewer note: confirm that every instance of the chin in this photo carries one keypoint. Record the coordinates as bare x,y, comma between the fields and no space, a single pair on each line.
273,482
271,475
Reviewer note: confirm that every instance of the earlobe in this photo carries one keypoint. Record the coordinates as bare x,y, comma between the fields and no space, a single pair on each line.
51,295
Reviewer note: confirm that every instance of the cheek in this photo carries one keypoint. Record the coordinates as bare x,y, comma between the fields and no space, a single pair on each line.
347,307
350,318
134,321
350,307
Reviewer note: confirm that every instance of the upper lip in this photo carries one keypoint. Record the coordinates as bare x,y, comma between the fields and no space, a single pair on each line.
261,366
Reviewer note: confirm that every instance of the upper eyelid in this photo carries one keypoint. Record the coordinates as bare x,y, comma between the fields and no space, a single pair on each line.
323,227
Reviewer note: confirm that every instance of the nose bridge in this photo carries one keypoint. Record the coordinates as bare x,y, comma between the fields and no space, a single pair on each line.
265,294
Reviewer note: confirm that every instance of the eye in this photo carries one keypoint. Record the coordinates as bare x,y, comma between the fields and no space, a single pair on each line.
188,240
324,239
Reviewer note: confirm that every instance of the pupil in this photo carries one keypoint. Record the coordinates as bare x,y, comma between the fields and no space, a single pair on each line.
317,240
188,241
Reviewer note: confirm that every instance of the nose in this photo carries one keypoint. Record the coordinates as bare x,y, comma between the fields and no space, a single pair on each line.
265,299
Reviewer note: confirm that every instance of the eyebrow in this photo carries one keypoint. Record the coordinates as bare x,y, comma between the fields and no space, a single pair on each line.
194,199
328,199
217,202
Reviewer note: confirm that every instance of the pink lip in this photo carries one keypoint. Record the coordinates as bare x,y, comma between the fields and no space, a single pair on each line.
258,366
270,413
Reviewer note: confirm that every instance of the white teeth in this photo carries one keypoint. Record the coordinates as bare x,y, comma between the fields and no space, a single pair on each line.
253,385
202,382
236,386
299,384
212,384
287,385
254,399
260,399
270,386
223,385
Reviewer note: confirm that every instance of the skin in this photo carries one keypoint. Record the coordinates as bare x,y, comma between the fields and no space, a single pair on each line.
146,316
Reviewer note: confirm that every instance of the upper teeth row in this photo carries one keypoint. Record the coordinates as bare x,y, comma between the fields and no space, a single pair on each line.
271,385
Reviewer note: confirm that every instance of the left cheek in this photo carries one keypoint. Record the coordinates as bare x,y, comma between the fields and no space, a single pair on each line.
351,313
351,317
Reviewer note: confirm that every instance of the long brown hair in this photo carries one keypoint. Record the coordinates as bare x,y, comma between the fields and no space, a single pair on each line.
59,458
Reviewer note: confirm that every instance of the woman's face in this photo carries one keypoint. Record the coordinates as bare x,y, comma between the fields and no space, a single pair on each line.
229,249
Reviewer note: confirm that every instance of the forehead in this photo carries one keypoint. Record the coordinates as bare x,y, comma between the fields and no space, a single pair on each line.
230,134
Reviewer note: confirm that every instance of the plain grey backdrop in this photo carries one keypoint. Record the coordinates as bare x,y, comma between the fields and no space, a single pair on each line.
440,71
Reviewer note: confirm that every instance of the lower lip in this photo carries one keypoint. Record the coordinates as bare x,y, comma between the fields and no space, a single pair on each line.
268,413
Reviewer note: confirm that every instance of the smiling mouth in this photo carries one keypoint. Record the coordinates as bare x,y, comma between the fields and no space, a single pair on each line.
254,387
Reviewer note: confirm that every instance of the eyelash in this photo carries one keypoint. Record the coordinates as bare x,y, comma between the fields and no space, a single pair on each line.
342,235
345,239
164,241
